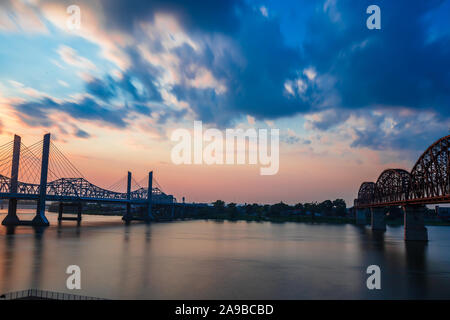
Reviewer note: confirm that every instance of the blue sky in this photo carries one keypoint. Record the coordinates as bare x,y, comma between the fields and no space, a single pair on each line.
311,68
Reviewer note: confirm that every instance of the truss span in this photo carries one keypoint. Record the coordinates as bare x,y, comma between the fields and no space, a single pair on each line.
82,189
427,183
430,175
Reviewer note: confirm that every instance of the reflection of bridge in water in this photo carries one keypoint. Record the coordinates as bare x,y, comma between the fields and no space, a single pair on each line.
427,183
29,175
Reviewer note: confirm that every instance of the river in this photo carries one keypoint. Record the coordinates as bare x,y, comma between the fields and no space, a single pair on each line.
223,260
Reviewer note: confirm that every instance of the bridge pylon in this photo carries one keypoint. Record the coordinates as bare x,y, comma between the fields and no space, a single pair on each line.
128,216
12,219
40,219
149,216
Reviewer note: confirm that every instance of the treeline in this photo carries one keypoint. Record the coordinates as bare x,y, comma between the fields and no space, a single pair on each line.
221,210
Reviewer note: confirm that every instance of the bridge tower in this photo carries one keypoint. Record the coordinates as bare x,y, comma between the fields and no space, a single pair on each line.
40,219
11,219
128,216
149,215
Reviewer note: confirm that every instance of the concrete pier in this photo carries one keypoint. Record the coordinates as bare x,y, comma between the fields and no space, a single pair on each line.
414,223
378,218
361,217
78,210
11,218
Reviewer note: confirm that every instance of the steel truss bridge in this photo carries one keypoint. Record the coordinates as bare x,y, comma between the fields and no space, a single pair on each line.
427,183
75,189
41,172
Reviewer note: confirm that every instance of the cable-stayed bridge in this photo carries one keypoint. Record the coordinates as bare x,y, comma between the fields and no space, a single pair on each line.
43,173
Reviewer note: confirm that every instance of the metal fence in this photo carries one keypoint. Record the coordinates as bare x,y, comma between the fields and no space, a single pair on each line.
43,294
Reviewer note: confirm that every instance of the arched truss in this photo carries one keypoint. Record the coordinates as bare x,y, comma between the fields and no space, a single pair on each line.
430,174
366,193
392,185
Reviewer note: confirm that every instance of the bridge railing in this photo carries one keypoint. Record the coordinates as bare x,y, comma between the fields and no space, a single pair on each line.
44,295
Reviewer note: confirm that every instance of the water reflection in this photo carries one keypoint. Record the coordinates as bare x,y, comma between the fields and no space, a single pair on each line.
416,263
38,261
9,255
224,260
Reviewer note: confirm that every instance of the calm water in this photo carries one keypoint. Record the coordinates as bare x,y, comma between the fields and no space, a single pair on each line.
223,260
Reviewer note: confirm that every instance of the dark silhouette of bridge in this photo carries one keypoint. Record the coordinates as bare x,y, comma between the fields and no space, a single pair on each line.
32,167
427,183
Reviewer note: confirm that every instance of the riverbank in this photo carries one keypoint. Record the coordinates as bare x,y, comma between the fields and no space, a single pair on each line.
309,219
208,215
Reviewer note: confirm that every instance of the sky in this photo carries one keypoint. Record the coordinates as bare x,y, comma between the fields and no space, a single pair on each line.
349,101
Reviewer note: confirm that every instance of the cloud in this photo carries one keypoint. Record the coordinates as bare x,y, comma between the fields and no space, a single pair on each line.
219,61
37,113
253,67
327,119
264,11
398,66
239,66
70,57
201,15
292,138
105,90
244,54
407,131
137,86
82,134
17,16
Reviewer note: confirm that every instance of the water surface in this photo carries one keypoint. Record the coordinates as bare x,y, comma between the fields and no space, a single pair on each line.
223,260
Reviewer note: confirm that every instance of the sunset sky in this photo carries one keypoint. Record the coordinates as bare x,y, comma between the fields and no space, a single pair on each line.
349,101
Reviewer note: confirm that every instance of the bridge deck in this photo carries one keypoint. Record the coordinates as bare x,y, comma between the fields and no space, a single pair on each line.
423,201
21,196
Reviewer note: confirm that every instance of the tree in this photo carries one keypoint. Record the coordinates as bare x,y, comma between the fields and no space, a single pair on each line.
326,207
278,208
341,207
219,206
232,210
312,208
299,206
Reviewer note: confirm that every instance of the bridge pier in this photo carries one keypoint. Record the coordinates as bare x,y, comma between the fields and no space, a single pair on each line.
377,218
40,219
11,218
79,210
414,223
361,217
